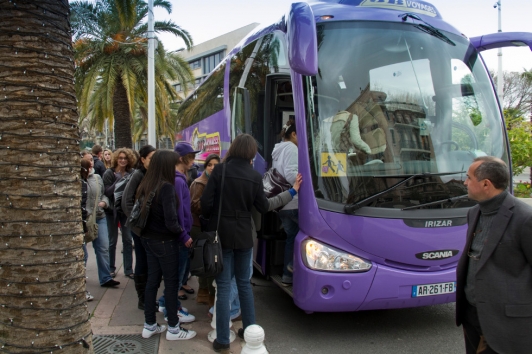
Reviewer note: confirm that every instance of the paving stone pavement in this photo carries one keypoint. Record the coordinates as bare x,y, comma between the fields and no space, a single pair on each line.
114,311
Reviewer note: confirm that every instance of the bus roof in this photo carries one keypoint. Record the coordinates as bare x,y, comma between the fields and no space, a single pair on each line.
417,6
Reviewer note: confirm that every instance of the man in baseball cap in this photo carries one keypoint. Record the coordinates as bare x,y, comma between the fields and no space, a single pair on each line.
183,148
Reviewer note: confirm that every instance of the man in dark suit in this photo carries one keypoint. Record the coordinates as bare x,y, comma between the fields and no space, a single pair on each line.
494,274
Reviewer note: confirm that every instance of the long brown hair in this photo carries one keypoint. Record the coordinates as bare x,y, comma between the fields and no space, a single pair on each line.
244,146
162,169
85,168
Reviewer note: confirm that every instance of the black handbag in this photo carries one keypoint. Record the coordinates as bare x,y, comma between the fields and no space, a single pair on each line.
139,216
206,258
274,183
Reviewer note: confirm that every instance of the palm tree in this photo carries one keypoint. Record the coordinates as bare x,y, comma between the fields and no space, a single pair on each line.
42,275
110,43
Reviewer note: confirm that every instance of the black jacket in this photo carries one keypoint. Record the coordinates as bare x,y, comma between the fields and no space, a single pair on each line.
242,190
84,204
128,198
162,221
99,167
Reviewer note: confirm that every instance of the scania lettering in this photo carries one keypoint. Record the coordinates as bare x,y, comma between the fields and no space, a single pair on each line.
392,104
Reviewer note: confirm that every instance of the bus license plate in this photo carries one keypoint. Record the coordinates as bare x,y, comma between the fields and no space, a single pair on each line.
433,289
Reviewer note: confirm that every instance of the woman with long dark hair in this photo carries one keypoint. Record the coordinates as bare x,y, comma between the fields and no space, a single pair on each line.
242,190
161,238
128,200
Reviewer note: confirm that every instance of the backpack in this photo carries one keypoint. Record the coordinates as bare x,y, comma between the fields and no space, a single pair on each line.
120,186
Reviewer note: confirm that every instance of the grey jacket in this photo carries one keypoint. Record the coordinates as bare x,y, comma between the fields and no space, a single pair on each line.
274,202
503,281
95,181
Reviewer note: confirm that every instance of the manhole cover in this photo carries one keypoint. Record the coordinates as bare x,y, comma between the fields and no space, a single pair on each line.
127,344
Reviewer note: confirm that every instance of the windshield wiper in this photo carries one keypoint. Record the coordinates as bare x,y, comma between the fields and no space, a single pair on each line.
427,28
437,202
351,208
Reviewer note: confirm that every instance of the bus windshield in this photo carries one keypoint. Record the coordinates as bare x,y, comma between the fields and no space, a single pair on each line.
391,102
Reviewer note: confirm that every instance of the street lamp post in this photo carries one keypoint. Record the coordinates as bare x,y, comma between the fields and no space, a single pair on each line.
500,79
152,135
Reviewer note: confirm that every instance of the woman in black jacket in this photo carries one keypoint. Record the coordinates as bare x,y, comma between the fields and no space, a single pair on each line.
242,190
160,238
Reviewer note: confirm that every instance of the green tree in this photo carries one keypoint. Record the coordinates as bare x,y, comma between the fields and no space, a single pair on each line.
111,45
520,137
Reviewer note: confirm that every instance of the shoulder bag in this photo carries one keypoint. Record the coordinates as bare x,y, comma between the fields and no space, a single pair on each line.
92,226
139,215
274,183
206,258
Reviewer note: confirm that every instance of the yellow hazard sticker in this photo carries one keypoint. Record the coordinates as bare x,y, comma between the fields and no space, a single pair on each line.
333,164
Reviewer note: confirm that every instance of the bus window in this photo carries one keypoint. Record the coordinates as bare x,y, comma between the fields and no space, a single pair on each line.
205,101
247,81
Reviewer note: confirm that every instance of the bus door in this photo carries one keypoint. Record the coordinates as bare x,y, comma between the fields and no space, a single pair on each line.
278,108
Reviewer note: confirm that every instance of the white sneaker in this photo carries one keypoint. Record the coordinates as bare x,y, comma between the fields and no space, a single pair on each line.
179,333
88,296
184,316
149,331
161,309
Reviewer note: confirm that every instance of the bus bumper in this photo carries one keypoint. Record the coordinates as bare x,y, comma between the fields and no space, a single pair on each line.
382,287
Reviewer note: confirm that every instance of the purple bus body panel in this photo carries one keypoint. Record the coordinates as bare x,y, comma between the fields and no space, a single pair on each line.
390,240
392,288
500,40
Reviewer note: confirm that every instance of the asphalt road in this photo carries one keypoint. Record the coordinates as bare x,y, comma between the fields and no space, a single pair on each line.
417,330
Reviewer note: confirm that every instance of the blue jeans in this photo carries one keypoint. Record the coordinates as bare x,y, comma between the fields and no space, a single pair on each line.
141,262
101,251
127,242
236,263
290,221
163,260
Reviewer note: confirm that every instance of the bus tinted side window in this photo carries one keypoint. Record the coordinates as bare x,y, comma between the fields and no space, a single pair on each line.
205,101
249,69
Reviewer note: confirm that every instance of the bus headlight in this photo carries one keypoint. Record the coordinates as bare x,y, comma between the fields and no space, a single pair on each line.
319,256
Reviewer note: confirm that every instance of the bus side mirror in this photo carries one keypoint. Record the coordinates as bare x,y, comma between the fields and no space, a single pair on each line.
302,39
502,39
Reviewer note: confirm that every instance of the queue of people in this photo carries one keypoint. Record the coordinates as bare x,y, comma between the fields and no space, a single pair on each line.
175,217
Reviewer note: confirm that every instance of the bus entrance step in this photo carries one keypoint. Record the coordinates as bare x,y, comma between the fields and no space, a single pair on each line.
287,289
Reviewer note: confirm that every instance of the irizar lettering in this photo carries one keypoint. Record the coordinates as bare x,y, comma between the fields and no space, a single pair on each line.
438,223
437,255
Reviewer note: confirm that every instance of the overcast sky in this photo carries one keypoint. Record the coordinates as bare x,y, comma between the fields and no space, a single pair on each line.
207,19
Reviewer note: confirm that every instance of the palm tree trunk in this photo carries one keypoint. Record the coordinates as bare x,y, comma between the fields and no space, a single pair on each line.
42,274
122,117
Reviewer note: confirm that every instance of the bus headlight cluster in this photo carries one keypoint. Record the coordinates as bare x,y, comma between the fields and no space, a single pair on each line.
319,256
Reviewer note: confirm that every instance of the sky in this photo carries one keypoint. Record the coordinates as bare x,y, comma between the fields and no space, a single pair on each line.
207,19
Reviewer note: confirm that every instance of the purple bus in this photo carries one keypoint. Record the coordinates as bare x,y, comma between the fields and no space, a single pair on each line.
391,105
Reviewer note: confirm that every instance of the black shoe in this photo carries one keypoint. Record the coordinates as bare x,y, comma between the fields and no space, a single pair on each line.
110,283
188,291
219,347
241,333
182,297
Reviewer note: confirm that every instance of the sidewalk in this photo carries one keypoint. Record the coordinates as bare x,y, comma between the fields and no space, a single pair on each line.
114,311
